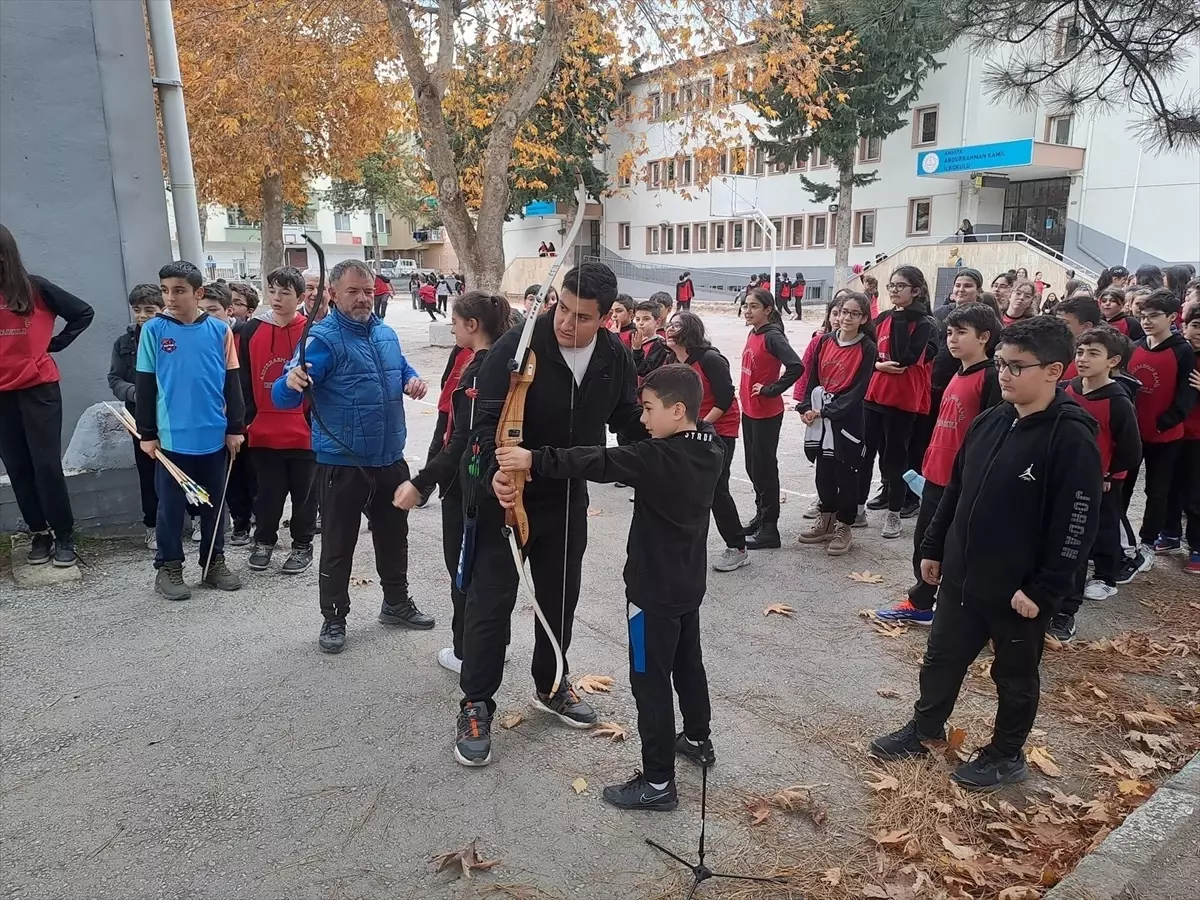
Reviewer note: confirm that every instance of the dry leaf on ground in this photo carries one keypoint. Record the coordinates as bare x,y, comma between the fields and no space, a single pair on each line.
1040,758
1155,743
875,892
1129,786
1140,762
888,693
954,844
466,860
1143,720
779,609
610,730
579,785
592,511
512,719
799,799
895,836
883,782
832,877
866,577
759,810
1020,892
593,684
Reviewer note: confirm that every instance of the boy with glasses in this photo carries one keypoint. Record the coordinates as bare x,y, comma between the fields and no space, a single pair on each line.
1030,469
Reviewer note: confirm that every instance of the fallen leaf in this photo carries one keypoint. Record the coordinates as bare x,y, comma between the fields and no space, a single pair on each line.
1020,892
466,859
1144,720
511,720
953,844
1099,693
1141,763
592,511
779,609
760,811
1040,758
1053,643
610,730
1128,786
883,782
360,581
1099,812
912,849
956,737
888,693
943,807
832,877
593,684
1155,743
896,836
799,799
579,785
876,893
866,577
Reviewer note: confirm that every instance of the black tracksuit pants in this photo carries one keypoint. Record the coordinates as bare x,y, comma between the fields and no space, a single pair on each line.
280,473
724,509
1106,549
761,439
557,538
243,485
889,433
923,595
452,538
1184,496
1160,473
149,495
662,648
837,488
345,494
31,450
959,632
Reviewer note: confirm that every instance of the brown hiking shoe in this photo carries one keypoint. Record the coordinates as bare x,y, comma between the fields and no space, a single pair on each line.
819,532
219,575
841,542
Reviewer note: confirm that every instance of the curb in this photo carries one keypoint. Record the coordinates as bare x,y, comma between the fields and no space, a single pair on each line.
1145,848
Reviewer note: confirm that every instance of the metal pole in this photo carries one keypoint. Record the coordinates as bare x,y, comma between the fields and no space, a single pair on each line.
1137,179
168,81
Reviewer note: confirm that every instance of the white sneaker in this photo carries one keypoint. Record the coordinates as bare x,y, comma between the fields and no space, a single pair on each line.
891,525
151,539
732,559
447,660
1145,558
196,529
814,510
1098,590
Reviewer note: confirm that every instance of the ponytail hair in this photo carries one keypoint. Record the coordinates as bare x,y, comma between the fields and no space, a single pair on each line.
491,311
767,301
920,286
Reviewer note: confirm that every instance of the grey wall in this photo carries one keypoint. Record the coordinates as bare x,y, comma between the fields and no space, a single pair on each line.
1099,250
81,182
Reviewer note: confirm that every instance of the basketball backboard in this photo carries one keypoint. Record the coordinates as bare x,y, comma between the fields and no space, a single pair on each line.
730,196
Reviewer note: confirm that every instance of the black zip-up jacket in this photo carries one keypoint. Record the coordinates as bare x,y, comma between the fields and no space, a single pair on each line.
651,355
122,368
443,469
945,366
1022,506
606,397
674,480
847,402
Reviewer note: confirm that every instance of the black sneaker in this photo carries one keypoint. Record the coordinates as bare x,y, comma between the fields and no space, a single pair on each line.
333,636
1061,627
637,793
169,582
903,744
568,706
298,560
405,613
240,538
909,510
64,552
879,501
701,754
41,548
766,538
219,576
753,525
260,557
1128,570
987,770
473,746
425,495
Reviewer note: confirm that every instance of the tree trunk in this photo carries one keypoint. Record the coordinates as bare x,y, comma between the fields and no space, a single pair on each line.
272,223
845,224
374,233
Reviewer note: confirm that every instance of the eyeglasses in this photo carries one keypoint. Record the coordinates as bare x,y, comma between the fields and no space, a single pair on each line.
849,314
1150,316
896,287
1015,368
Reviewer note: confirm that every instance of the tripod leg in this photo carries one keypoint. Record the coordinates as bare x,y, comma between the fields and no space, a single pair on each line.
703,809
692,892
679,859
745,878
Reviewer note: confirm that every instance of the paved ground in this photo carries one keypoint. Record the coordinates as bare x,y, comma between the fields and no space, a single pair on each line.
208,750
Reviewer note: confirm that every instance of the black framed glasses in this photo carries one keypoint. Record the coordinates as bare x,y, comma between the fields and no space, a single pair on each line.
896,287
1015,368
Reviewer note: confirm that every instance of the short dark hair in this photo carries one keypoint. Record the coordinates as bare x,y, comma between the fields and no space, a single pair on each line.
250,292
1112,293
979,316
181,268
1163,300
1085,310
1113,342
676,383
1149,276
663,299
1193,316
219,291
625,300
346,265
1075,285
146,293
1048,339
287,277
648,306
592,281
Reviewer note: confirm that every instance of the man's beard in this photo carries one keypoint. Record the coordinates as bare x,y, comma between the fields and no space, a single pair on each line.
359,315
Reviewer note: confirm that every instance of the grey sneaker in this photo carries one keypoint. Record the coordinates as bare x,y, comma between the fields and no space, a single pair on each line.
298,560
240,538
814,509
169,582
260,557
219,575
860,521
891,525
151,539
731,559
567,706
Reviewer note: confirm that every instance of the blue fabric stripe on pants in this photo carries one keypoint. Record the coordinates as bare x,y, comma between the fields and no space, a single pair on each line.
637,638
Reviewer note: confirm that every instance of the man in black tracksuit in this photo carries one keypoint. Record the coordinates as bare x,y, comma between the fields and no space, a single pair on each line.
1029,471
584,380
675,476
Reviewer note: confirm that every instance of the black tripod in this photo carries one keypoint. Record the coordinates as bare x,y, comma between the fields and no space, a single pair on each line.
701,872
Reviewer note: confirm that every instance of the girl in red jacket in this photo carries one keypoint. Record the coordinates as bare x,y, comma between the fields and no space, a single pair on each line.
761,395
31,401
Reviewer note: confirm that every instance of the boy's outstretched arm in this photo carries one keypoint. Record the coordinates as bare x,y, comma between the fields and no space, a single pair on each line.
604,465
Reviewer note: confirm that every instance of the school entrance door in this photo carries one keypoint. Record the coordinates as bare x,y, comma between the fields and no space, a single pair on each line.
1039,209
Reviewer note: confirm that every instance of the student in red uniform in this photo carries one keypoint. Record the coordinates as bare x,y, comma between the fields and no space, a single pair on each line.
798,287
684,291
1099,354
427,294
663,299
832,408
621,316
1112,307
1161,361
31,401
900,388
761,395
1081,313
648,339
785,294
383,293
1185,490
1021,303
719,407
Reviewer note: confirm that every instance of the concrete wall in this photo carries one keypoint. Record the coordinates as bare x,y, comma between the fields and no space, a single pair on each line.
81,182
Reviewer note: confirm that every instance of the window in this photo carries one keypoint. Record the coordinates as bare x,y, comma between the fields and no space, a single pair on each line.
1058,129
670,172
800,163
688,95
701,232
818,226
668,239
382,224
870,149
672,102
652,239
1067,37
683,239
627,106
705,93
655,176
737,161
623,235
820,159
779,167
795,235
723,88
235,218
920,212
756,236
759,155
779,236
723,163
864,227
718,235
655,107
624,179
737,235
341,222
925,126
685,171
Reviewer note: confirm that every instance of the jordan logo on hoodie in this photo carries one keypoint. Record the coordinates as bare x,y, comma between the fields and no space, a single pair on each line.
1027,475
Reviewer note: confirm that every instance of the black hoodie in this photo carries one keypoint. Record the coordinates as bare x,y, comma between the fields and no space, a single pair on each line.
1022,506
122,368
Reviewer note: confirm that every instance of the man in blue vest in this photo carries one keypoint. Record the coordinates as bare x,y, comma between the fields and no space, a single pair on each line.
359,377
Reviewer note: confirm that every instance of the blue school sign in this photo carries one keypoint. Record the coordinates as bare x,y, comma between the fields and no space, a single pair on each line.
541,208
952,160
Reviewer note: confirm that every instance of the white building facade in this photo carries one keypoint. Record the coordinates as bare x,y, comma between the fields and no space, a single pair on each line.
1082,185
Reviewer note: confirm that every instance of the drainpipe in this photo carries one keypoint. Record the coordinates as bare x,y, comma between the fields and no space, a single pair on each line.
167,80
1137,179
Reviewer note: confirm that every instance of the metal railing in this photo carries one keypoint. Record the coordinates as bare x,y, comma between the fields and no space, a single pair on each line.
999,237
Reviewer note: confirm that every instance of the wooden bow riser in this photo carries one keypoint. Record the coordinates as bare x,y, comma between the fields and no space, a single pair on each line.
511,433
